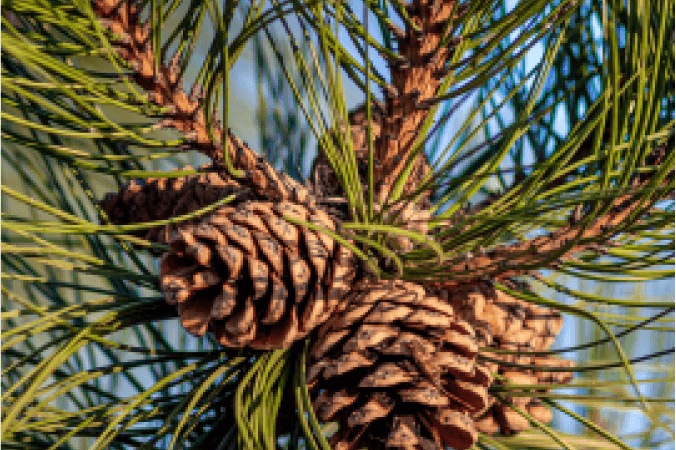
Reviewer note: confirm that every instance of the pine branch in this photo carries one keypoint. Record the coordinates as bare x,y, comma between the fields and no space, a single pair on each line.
416,77
559,246
185,112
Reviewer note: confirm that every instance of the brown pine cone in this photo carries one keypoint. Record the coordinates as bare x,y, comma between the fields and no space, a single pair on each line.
507,323
254,278
397,363
503,321
527,327
503,418
322,174
163,198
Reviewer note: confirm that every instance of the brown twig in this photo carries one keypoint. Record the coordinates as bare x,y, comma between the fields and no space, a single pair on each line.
547,251
185,112
415,86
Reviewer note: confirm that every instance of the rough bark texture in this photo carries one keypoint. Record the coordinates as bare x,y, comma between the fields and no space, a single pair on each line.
547,251
417,74
416,77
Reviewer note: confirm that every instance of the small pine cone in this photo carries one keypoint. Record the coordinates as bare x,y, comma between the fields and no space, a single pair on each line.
322,174
507,323
254,278
397,363
510,421
162,198
502,321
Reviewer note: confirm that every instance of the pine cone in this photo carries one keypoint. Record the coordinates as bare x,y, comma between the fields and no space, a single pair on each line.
503,418
162,198
523,326
255,278
322,174
397,363
507,323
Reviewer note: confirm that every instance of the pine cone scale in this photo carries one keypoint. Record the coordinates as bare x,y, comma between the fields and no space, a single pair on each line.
277,301
386,312
379,405
472,395
233,258
386,375
346,362
239,235
224,303
328,405
270,250
402,434
370,336
314,311
455,429
327,342
424,393
194,316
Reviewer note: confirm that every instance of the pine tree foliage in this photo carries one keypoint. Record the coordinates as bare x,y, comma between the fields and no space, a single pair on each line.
481,211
